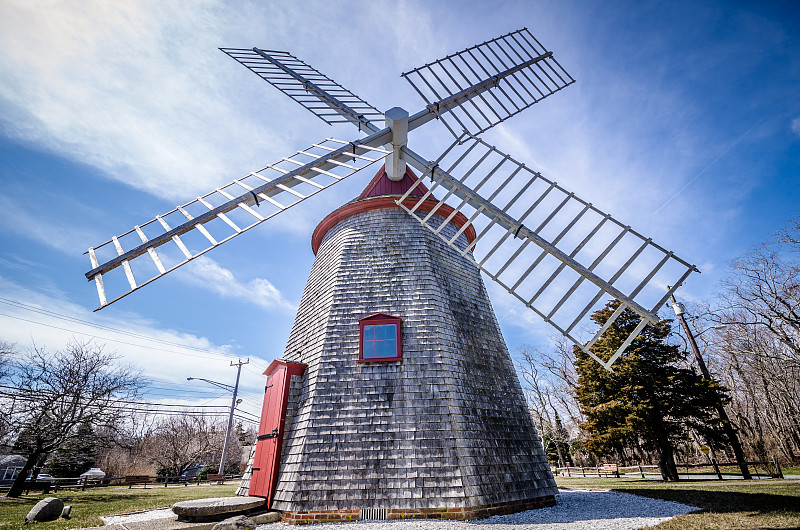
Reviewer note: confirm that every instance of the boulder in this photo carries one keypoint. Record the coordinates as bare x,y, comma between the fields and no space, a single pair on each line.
47,509
240,522
210,509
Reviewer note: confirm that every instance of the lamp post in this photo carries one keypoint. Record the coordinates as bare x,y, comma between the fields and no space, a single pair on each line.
235,390
229,388
727,426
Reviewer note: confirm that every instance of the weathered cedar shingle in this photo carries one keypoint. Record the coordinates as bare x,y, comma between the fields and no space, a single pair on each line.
445,427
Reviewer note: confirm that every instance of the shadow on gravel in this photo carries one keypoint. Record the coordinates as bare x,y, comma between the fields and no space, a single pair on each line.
725,501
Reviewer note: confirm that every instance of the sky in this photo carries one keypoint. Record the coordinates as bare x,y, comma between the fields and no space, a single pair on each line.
684,122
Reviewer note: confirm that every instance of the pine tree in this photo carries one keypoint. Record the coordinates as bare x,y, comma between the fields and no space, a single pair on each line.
76,456
648,400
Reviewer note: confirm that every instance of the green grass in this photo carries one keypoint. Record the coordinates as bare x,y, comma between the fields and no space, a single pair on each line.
723,504
89,505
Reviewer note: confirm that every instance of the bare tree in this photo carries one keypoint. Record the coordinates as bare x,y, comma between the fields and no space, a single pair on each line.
56,393
179,443
126,456
765,384
758,352
549,391
7,402
763,289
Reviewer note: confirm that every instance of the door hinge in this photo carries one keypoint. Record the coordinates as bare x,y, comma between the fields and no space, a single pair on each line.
273,434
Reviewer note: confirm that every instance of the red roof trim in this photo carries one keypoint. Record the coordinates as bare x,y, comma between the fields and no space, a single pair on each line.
377,316
291,368
377,203
381,185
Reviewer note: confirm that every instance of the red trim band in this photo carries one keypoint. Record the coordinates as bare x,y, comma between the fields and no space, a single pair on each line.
377,203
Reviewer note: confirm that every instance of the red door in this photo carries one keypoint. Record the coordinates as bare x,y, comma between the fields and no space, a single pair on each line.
266,462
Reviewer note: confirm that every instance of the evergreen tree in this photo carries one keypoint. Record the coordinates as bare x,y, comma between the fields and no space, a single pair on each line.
648,400
76,456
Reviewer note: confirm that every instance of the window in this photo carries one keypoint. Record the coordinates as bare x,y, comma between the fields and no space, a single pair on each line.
11,473
379,338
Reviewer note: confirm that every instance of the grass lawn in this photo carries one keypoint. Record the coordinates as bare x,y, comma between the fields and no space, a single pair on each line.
89,505
724,504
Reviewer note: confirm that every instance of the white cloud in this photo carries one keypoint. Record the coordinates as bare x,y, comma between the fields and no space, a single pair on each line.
796,126
164,356
206,273
56,234
131,88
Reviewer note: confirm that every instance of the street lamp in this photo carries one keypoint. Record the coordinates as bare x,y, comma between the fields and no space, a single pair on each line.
717,327
234,402
679,310
215,383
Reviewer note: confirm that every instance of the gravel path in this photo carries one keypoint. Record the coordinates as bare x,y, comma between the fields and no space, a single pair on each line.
576,510
149,515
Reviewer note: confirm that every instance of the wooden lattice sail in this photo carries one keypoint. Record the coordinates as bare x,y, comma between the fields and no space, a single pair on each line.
556,275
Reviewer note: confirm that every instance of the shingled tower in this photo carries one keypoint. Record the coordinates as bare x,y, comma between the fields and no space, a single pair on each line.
396,396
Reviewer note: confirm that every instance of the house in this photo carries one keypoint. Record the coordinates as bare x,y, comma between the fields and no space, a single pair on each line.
10,466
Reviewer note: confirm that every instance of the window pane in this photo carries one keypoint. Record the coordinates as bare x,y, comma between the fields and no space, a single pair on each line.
369,332
391,348
391,331
369,349
380,332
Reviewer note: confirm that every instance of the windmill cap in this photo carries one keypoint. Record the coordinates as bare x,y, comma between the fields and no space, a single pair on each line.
382,193
381,185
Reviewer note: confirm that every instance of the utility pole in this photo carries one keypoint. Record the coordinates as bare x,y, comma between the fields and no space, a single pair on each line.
727,426
230,416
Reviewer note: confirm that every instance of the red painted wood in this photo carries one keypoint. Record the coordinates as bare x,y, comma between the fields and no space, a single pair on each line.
376,203
382,185
380,318
267,460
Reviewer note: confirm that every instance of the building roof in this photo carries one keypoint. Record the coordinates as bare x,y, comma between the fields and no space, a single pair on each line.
382,193
382,185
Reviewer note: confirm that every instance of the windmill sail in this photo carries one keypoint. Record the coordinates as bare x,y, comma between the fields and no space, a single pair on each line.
307,86
477,88
556,253
191,230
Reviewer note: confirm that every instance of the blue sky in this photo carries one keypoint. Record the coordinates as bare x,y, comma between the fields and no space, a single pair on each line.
684,122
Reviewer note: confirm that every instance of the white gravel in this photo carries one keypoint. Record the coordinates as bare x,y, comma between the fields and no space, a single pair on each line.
149,515
576,509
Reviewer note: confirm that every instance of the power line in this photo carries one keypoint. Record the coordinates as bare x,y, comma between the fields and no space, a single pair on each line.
246,398
106,338
60,316
127,404
104,327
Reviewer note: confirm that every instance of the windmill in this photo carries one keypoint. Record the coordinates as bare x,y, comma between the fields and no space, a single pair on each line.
568,246
420,285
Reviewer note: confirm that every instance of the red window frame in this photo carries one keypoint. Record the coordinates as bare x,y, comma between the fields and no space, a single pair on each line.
377,320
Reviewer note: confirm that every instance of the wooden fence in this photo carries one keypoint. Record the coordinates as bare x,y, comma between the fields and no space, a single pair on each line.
720,469
82,483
